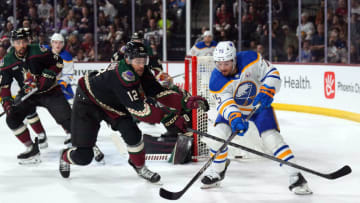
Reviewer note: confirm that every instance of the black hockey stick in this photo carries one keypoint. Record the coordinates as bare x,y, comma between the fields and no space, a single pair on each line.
334,175
176,195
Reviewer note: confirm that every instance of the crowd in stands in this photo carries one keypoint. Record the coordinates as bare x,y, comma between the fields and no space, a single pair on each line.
75,21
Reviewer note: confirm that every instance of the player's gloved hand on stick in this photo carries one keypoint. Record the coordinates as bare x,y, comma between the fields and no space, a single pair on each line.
237,123
46,80
265,97
175,122
195,102
8,107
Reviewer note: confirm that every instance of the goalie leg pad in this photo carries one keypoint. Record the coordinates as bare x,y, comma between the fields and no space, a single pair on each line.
182,151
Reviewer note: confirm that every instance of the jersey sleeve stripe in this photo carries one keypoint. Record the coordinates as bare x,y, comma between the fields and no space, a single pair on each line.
219,91
252,63
226,104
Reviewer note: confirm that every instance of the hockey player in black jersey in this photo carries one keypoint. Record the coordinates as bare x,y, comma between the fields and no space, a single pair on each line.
35,69
115,95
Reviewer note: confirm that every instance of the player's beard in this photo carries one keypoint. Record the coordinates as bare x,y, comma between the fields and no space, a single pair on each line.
21,52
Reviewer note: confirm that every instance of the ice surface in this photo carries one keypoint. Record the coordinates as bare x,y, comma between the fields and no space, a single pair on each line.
320,143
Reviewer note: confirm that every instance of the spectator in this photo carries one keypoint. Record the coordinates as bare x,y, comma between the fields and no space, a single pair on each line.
43,10
88,43
69,24
73,44
306,29
290,54
341,9
205,47
305,54
289,39
80,56
318,44
9,27
336,48
261,50
223,19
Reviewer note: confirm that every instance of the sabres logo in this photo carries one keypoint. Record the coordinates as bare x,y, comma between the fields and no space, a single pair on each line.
128,76
245,93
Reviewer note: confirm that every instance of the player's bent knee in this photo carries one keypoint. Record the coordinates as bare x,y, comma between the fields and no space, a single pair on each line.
82,156
272,140
221,130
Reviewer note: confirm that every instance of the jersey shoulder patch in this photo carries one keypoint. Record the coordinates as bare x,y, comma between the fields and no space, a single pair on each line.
36,49
126,74
217,81
245,58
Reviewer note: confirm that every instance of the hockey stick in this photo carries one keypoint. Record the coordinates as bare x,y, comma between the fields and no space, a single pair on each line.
176,195
334,175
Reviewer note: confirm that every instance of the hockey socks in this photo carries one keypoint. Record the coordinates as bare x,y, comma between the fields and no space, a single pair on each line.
22,133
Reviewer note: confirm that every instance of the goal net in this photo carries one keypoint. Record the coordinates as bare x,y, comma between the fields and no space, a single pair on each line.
197,76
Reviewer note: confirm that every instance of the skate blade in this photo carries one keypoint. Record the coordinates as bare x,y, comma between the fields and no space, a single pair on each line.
214,185
101,162
35,160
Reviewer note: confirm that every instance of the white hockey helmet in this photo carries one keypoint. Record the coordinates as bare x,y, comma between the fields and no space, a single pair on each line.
57,37
225,51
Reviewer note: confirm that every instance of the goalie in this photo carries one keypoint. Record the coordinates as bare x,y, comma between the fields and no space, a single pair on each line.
115,95
238,83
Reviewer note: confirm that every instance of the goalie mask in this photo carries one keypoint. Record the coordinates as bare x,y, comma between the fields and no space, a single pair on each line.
136,50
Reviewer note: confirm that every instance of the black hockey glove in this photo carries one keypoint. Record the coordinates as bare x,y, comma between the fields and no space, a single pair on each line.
176,122
46,80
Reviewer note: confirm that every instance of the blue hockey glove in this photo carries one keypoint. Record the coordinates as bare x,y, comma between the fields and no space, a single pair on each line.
237,123
66,89
265,97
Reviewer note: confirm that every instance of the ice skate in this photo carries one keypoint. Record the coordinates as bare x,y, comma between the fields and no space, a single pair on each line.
64,167
31,155
298,185
42,141
98,155
212,178
145,173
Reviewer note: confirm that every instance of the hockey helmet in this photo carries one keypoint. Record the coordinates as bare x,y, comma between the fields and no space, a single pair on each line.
225,51
57,37
20,33
135,50
137,36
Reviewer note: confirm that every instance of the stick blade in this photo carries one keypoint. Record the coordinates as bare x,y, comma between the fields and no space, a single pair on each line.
341,172
170,195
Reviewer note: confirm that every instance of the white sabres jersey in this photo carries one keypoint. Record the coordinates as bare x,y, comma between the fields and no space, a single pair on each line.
201,49
236,93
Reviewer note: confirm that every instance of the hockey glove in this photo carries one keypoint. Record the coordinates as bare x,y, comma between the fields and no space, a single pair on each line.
8,107
195,102
175,122
46,80
265,97
237,123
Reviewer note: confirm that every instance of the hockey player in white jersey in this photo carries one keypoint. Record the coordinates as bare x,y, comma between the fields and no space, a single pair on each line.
238,83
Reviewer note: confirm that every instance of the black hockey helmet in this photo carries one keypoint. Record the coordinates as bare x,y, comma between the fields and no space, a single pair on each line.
137,36
135,50
20,33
